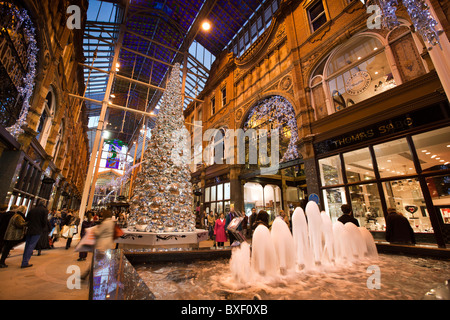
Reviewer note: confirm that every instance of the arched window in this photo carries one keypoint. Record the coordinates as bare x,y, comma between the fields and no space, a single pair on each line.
58,141
216,147
363,67
276,112
354,72
45,122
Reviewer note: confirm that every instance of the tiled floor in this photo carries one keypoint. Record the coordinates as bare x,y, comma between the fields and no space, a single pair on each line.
50,277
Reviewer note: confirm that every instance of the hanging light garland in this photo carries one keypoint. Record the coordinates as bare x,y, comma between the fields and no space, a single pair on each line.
420,15
26,91
423,21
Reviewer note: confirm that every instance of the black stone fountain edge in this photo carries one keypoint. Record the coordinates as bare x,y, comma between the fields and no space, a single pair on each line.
114,277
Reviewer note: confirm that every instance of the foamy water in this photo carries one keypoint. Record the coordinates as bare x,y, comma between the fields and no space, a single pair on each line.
318,260
401,278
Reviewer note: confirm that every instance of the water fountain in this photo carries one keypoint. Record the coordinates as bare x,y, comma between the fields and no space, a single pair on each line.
315,245
283,265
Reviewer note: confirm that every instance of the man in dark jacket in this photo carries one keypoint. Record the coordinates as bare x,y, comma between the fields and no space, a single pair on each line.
398,229
347,215
37,222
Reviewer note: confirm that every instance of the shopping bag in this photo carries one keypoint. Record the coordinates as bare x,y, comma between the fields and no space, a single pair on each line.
65,232
87,243
118,232
73,230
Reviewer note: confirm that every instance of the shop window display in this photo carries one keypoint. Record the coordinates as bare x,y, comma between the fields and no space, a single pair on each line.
334,198
384,175
367,76
367,208
394,158
439,188
358,165
433,149
266,198
406,196
217,198
331,171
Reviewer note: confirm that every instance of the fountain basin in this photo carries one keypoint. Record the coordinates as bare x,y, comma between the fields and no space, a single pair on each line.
149,240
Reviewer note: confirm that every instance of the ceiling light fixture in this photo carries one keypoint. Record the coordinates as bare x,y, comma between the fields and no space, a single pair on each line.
206,26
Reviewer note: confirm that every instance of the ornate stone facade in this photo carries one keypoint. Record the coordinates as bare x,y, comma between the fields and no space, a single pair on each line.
283,60
55,142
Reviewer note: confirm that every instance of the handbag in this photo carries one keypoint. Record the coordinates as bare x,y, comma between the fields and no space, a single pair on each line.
87,243
118,232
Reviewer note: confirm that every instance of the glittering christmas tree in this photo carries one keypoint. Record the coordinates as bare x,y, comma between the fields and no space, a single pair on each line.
162,198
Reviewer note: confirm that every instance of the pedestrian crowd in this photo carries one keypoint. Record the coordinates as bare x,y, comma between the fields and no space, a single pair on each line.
38,229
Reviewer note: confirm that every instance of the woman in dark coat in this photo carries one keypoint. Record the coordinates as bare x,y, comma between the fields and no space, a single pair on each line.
398,229
44,240
5,216
15,233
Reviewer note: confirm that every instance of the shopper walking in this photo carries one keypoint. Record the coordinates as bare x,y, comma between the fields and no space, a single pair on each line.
37,222
15,233
398,229
230,216
72,223
104,236
261,218
104,233
5,216
219,231
252,220
211,222
55,223
84,225
347,215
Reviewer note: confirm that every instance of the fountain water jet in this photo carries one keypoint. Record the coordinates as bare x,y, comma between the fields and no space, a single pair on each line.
240,263
315,230
263,256
356,241
284,245
343,250
372,252
316,244
327,228
304,258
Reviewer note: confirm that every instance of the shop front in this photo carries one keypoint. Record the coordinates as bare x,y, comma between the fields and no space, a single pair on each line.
402,162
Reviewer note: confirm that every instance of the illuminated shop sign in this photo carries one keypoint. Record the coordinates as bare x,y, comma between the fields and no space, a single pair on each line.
380,129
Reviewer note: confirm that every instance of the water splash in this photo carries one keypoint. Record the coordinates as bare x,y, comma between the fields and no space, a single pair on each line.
284,245
303,255
315,245
315,230
263,256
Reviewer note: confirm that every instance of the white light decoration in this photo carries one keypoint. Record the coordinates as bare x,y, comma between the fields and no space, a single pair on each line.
420,15
26,90
424,23
281,111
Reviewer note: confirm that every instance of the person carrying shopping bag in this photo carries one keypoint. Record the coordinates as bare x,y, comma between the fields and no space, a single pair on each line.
15,233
